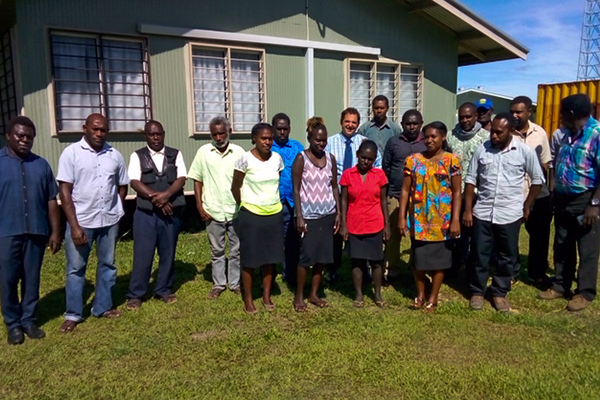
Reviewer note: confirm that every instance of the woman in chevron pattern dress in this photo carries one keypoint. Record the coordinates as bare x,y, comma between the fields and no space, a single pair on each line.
316,198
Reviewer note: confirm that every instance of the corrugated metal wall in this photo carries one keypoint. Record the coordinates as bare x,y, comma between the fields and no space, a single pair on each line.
401,37
550,95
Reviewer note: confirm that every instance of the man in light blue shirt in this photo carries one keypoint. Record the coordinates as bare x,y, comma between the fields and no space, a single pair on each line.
288,149
380,129
344,146
93,183
497,170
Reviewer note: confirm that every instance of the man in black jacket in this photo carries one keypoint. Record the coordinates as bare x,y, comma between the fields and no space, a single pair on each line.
157,174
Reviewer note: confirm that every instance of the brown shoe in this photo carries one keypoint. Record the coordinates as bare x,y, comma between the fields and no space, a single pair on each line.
133,304
237,291
214,293
68,326
578,303
167,299
476,302
549,294
501,304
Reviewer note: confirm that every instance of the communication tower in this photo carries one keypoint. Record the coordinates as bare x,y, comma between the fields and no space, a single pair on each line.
589,52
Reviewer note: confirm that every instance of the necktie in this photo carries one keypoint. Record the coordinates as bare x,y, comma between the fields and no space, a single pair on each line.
348,155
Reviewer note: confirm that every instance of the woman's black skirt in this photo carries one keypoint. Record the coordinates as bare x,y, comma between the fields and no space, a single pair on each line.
316,247
261,238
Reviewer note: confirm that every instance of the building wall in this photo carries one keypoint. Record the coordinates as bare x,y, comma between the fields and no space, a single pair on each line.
401,37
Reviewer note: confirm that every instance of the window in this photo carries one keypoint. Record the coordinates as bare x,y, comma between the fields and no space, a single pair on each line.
8,97
229,82
400,83
100,74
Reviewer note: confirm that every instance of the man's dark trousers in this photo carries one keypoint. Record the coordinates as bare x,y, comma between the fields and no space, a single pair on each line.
292,244
571,236
153,230
20,259
538,227
501,240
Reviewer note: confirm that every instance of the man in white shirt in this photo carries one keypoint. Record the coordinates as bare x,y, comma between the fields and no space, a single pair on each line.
157,174
497,170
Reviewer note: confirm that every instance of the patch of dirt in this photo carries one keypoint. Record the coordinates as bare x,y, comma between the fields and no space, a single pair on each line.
203,336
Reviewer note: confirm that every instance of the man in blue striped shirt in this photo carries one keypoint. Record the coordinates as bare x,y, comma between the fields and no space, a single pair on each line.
344,146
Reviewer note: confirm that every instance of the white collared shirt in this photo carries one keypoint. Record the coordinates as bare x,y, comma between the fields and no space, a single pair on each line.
498,176
96,177
158,157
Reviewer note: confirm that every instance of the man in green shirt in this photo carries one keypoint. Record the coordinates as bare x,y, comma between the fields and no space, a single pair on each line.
466,136
212,172
380,129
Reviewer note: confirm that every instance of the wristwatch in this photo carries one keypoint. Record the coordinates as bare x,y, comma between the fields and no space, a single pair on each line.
595,202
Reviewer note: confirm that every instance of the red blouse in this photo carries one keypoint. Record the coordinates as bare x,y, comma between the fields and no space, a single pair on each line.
364,200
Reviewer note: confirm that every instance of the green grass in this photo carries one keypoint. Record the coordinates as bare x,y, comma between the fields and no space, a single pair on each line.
198,348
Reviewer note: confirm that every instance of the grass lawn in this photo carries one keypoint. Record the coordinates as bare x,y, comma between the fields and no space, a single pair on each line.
198,348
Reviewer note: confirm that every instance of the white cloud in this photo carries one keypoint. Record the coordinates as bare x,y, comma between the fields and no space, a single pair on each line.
551,30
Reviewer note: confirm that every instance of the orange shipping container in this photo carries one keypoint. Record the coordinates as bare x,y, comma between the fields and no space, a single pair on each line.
550,95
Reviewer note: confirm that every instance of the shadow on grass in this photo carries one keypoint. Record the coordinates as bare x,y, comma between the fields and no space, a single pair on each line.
459,279
53,304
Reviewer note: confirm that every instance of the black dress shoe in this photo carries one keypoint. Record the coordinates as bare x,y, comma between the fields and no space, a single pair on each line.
34,332
15,336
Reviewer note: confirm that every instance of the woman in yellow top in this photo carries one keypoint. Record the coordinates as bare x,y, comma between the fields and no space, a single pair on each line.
432,183
255,187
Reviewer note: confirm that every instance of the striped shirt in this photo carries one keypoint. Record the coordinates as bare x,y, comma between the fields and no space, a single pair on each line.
316,193
578,160
336,145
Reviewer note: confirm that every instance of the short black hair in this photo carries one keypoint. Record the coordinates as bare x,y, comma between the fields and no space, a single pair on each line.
367,145
438,125
279,116
20,120
380,97
350,110
468,104
577,105
260,127
512,121
522,100
412,112
153,122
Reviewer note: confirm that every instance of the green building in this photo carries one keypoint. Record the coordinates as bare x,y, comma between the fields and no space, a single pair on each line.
185,61
501,102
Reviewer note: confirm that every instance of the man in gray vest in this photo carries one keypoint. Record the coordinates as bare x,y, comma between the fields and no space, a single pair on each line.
157,174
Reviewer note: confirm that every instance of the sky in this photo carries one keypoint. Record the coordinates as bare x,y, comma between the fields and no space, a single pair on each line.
550,29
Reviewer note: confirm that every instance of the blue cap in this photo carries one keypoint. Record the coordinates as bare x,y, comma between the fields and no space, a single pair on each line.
485,103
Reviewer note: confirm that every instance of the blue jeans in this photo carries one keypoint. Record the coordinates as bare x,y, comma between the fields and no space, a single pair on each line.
20,262
106,271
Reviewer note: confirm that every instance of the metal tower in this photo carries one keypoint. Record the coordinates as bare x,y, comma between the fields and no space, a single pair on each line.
589,52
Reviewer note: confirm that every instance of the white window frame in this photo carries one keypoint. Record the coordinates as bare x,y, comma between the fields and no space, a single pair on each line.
228,91
394,113
98,36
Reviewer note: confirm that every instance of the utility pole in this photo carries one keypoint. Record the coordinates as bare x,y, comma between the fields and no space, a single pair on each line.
589,52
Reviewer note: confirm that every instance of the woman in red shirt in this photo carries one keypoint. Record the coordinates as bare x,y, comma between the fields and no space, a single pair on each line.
365,219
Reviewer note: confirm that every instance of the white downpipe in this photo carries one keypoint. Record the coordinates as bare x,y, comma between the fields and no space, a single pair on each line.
310,82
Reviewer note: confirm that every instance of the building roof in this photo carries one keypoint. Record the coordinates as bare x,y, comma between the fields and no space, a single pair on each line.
483,93
478,40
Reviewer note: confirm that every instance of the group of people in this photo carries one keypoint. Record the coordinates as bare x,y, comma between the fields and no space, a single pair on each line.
461,197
